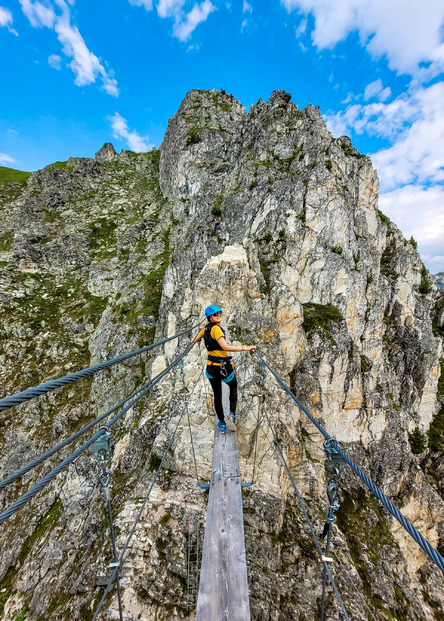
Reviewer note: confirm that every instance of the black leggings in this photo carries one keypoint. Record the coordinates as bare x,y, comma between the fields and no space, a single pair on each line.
216,385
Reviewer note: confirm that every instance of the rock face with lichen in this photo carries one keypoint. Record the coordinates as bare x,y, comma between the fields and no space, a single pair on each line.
269,216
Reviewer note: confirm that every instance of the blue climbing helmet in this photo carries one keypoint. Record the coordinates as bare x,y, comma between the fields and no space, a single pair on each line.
210,310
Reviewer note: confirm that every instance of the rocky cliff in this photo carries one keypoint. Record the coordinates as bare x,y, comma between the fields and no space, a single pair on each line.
269,216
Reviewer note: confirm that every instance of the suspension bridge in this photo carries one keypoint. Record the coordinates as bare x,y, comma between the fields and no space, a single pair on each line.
223,587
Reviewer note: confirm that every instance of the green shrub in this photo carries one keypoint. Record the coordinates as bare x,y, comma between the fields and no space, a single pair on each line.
6,241
328,164
370,277
425,286
414,243
385,219
268,237
216,209
436,432
319,317
417,441
253,184
193,136
336,249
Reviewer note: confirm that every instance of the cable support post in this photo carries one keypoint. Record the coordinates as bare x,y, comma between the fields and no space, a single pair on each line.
102,454
325,560
335,465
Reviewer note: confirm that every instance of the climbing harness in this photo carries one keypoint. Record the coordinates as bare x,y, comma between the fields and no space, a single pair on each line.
335,465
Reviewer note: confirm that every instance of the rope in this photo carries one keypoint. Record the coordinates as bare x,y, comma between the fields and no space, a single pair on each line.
204,366
189,426
31,393
301,502
139,515
258,424
433,554
66,462
39,460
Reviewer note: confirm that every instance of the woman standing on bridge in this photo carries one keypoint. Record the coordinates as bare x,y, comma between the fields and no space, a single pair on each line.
219,366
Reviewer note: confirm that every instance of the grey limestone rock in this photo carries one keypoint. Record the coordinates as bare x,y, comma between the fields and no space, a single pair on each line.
271,217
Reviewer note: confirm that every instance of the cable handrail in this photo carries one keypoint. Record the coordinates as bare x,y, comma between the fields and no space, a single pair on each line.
304,511
139,514
55,449
433,554
20,502
36,391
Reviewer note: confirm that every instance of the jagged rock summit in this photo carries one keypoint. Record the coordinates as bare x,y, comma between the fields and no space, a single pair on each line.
106,153
271,217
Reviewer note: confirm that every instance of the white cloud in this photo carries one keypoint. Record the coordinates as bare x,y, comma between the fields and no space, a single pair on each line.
411,170
6,158
85,64
184,23
6,20
419,212
170,8
147,4
301,29
5,16
133,139
54,61
247,8
39,15
198,14
406,33
377,119
376,90
417,154
413,122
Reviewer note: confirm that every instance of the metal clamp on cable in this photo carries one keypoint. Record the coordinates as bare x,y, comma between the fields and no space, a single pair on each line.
335,465
102,453
182,374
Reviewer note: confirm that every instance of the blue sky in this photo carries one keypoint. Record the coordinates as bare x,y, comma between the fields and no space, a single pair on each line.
78,73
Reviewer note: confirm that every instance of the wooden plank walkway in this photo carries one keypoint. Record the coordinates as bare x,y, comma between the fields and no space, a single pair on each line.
223,587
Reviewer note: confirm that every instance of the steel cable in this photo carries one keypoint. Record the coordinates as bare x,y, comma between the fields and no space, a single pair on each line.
433,554
39,460
139,515
301,503
12,509
31,393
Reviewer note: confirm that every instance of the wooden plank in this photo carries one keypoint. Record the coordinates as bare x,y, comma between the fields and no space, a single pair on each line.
223,587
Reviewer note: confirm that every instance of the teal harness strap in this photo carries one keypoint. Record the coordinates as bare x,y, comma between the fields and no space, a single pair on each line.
229,378
225,379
